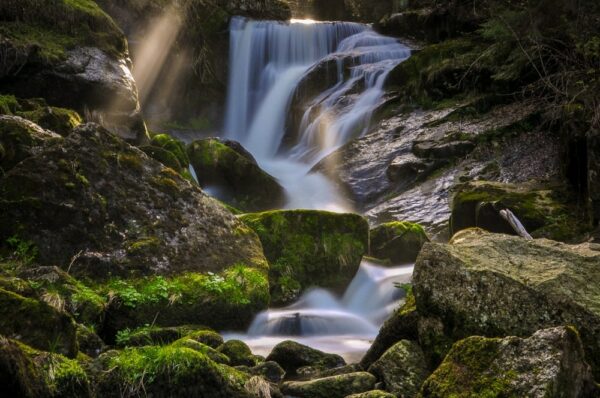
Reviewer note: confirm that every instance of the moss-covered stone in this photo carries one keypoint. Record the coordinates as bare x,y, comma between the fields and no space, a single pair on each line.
37,324
208,337
58,120
402,369
226,166
544,211
397,241
211,353
309,248
174,146
548,364
372,394
228,300
168,371
89,342
156,335
494,285
331,387
102,207
20,139
291,356
26,372
238,352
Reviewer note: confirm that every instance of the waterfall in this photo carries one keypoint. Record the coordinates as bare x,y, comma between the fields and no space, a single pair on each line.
268,62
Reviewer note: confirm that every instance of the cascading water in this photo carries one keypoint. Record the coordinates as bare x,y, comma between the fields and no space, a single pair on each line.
269,61
344,326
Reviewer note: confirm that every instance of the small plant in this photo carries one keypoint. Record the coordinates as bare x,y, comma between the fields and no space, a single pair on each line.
24,251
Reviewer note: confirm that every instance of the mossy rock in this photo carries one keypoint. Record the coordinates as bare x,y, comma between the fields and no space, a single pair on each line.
102,207
26,372
37,324
239,353
174,146
157,335
20,139
402,369
58,120
164,156
211,353
168,371
208,337
331,387
228,300
544,211
401,325
497,285
241,183
372,394
291,356
550,363
309,248
397,241
54,285
89,342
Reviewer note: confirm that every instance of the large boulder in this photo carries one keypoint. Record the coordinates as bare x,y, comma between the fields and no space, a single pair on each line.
291,356
397,241
402,369
550,363
494,285
541,209
104,208
309,248
330,387
73,55
37,324
234,175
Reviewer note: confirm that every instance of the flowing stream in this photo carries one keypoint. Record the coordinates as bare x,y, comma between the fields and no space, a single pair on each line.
269,63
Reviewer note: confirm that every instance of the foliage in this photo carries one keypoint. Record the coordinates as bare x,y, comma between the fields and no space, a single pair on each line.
24,251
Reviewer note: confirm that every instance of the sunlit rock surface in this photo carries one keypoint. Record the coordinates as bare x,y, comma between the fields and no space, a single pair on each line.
493,284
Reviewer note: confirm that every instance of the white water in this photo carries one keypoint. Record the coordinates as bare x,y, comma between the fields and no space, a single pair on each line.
345,326
268,61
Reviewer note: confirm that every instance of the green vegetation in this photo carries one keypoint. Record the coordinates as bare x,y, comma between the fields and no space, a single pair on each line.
397,241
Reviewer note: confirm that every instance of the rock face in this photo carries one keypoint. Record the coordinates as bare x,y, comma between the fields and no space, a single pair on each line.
550,363
291,356
488,284
309,248
118,212
79,63
402,369
330,387
397,241
227,168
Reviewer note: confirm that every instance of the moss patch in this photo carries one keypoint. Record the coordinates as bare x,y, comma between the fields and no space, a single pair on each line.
397,241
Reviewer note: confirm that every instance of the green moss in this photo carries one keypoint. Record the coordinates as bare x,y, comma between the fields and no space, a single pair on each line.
8,105
397,241
156,335
143,245
36,323
210,352
238,353
169,371
174,146
468,371
307,248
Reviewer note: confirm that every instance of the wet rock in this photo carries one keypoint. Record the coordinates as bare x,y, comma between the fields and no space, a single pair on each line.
541,209
550,363
28,373
20,139
309,248
291,356
225,167
442,150
330,387
104,207
397,241
402,325
491,284
407,168
402,369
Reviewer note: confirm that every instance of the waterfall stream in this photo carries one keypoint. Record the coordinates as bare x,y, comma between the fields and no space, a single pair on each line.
269,62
